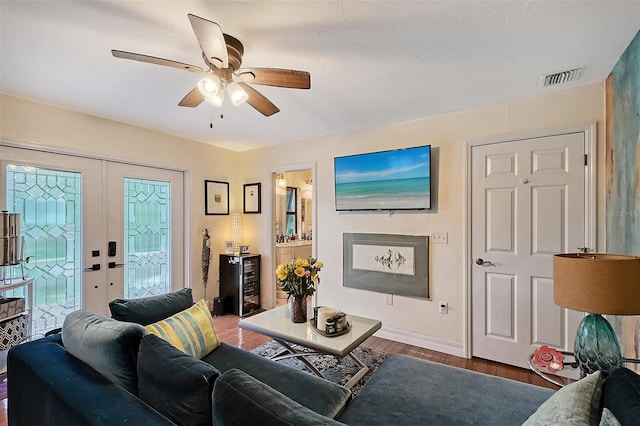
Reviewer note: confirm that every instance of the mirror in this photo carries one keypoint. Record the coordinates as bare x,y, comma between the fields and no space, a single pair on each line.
293,206
293,218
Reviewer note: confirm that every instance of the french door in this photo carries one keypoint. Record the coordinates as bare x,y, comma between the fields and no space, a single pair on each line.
95,230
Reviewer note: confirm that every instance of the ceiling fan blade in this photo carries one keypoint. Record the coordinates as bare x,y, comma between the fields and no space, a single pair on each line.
211,41
192,99
153,60
276,77
259,102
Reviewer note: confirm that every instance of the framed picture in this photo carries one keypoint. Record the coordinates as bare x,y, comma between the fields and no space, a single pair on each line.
387,263
252,198
216,197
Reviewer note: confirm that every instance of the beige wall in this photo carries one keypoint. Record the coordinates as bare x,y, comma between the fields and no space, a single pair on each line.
408,319
42,125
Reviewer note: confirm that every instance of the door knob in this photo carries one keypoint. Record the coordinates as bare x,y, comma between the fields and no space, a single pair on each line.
481,262
115,265
94,267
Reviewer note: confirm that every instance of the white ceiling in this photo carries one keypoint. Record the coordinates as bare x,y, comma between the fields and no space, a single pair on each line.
372,63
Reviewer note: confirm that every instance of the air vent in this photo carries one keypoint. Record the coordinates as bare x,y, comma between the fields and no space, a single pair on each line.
560,77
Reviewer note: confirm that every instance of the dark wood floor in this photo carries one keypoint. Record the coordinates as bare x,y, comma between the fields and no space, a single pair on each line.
229,332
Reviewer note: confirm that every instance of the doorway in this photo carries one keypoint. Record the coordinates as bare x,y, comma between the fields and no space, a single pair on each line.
95,230
530,198
293,219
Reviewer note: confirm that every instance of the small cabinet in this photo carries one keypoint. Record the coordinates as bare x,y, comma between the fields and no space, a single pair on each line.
240,283
286,252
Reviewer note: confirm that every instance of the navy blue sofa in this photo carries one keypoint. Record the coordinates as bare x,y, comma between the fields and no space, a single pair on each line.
146,381
49,386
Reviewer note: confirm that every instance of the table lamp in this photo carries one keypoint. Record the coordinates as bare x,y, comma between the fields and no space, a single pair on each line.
597,284
236,232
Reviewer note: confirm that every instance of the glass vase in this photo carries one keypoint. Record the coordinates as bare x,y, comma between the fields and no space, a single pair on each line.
597,346
299,309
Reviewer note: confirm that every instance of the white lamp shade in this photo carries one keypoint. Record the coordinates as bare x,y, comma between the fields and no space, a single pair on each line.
209,86
307,190
215,100
236,93
281,184
236,231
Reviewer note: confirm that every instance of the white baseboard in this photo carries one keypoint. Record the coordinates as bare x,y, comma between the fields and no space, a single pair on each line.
422,341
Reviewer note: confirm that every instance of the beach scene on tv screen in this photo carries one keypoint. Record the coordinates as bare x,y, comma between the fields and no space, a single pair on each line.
388,180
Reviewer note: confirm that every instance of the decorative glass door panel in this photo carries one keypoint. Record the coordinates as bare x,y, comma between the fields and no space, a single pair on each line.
49,203
147,218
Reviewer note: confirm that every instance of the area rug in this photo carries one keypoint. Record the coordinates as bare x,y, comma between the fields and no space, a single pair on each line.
333,369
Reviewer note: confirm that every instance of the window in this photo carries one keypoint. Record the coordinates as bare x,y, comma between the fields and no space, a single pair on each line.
292,211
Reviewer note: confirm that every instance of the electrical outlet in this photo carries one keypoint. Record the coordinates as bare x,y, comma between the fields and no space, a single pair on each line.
388,299
444,308
440,237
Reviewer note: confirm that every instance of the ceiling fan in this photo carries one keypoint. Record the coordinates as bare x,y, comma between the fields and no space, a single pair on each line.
222,55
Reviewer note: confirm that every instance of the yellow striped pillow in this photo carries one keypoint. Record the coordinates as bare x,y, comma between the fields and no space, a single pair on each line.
191,330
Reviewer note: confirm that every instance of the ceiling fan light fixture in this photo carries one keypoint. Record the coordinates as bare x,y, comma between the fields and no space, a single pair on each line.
215,100
209,86
237,94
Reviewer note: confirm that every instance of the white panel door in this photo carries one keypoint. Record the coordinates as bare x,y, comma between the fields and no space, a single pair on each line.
528,203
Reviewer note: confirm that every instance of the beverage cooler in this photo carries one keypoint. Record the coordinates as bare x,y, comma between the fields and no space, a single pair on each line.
240,283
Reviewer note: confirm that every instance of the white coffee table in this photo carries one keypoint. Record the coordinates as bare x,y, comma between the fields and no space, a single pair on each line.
276,323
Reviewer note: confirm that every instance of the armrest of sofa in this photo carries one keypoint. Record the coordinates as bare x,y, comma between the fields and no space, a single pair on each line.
239,399
322,396
47,385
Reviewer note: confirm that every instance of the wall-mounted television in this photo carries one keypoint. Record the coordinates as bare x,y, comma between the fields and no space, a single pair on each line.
398,179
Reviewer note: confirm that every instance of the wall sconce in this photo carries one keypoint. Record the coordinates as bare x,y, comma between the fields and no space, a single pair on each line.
307,188
281,184
236,232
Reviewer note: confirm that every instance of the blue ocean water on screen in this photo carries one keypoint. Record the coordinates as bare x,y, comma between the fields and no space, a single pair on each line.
417,188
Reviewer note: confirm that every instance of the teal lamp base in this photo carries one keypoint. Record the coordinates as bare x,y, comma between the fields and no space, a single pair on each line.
597,347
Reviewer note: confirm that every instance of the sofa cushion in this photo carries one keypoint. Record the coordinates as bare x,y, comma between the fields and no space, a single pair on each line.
191,330
108,346
174,383
293,383
575,404
239,399
621,395
147,310
411,391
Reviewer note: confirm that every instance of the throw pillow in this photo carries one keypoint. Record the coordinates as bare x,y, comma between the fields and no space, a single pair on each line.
575,404
191,330
621,395
108,346
240,399
177,385
147,310
608,419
